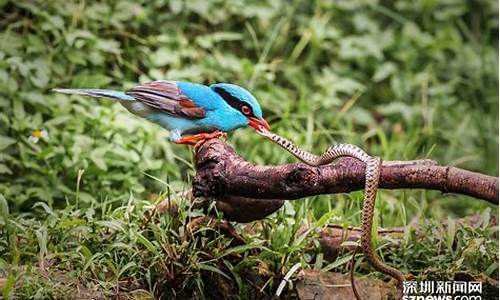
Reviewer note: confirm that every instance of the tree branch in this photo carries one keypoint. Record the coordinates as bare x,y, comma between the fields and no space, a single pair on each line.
221,173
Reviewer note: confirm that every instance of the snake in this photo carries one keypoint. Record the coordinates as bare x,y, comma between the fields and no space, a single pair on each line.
372,177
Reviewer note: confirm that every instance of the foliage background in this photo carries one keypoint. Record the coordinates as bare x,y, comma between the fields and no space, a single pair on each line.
403,79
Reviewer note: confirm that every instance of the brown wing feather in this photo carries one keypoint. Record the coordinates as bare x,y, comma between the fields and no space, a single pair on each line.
166,96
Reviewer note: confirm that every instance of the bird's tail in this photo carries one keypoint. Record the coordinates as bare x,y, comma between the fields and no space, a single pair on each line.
98,93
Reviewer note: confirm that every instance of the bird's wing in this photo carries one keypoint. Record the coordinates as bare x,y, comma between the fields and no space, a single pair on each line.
167,97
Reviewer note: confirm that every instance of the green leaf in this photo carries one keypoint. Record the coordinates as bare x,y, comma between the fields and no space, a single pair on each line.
146,243
163,56
71,223
6,142
325,219
97,157
85,251
4,169
175,6
236,276
91,80
41,235
384,71
240,249
125,268
77,57
212,269
4,207
450,233
19,112
8,285
86,197
492,269
44,206
113,225
337,263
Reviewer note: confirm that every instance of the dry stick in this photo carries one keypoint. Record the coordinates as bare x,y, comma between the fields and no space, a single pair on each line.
221,172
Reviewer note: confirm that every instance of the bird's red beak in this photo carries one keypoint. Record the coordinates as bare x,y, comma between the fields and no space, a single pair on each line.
258,124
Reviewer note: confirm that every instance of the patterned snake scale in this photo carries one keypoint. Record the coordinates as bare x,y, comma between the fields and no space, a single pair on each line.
371,185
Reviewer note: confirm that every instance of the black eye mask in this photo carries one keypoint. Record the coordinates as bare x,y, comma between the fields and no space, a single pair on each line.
235,102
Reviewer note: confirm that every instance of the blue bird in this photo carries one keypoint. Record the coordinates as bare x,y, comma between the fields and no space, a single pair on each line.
186,108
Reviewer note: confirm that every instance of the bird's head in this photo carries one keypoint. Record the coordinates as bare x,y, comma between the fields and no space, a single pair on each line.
241,100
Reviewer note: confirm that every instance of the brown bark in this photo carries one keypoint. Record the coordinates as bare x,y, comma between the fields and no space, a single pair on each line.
222,174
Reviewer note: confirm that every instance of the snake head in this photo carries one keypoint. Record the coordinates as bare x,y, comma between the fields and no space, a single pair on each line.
263,131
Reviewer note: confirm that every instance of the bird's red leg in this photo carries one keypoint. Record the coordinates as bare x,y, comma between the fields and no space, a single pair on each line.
184,141
215,134
201,137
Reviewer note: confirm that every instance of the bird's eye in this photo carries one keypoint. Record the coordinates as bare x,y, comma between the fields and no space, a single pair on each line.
246,110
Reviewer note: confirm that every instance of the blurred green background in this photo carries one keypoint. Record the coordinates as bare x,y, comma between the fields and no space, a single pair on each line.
402,79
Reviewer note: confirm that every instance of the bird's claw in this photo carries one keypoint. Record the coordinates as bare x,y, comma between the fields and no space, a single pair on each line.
198,139
218,134
223,135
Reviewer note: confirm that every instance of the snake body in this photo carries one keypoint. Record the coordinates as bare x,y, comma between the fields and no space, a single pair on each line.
371,185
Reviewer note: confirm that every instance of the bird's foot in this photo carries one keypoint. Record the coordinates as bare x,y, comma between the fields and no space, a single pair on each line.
198,139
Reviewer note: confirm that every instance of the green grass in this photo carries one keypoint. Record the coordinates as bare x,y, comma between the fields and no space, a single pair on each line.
403,80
